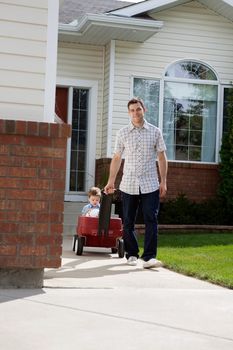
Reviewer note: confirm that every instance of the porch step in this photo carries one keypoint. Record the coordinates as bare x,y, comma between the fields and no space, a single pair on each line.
71,211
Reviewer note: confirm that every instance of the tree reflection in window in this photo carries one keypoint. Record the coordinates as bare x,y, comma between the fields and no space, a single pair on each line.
190,70
190,112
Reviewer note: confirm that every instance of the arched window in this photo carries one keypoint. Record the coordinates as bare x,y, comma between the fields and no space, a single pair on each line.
190,111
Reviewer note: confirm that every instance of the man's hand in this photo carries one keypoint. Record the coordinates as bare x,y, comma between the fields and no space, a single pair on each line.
162,189
109,188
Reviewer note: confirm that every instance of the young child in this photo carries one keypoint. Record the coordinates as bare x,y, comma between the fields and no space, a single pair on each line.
92,209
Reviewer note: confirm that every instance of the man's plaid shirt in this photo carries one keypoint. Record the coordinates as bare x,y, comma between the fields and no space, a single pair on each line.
139,146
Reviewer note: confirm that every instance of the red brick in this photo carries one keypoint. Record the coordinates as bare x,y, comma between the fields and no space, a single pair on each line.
2,126
50,195
8,204
58,185
10,139
49,239
56,228
22,172
65,131
3,171
19,150
59,164
50,262
55,250
33,128
11,239
9,183
54,130
50,217
21,194
44,129
56,206
37,141
34,206
3,216
58,174
7,250
60,143
33,251
20,127
34,228
8,227
10,126
37,184
4,149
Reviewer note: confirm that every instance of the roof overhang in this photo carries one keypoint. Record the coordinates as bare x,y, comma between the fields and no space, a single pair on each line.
223,7
99,29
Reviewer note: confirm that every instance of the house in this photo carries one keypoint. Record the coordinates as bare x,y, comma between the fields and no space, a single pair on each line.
176,55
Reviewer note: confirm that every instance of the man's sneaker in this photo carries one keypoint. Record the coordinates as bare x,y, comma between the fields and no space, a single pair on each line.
152,263
132,261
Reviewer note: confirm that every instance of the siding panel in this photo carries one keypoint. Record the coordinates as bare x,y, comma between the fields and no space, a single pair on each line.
24,14
23,40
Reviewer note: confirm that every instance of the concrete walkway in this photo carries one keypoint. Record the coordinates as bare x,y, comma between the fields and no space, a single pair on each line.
97,302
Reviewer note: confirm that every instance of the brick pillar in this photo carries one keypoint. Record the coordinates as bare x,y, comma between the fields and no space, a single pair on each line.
32,183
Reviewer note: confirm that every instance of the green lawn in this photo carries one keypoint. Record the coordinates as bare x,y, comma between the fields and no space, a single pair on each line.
208,256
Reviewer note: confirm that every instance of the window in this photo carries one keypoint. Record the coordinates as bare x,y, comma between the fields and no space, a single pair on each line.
190,70
148,91
79,140
190,112
189,109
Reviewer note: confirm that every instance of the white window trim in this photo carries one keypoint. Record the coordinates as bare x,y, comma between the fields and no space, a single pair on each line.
92,85
221,96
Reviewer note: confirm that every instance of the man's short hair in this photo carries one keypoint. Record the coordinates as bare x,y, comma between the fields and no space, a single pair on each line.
136,100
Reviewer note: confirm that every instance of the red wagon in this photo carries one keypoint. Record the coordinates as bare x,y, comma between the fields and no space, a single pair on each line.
103,232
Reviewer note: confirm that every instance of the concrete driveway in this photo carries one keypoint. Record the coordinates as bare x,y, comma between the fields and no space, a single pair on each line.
97,302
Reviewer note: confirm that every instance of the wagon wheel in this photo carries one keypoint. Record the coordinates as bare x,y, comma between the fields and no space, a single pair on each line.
114,250
121,249
74,242
80,242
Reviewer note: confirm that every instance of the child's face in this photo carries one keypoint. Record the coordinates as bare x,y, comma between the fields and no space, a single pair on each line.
94,200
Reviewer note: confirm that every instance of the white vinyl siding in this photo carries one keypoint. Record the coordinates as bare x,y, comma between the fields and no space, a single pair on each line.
190,31
23,40
84,62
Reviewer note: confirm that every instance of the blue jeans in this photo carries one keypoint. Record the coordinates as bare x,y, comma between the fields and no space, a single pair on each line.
150,209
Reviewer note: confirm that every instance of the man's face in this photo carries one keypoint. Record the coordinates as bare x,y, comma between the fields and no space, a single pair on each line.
136,113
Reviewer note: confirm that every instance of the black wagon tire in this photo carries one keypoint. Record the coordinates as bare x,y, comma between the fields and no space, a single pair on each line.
74,242
121,248
80,244
114,250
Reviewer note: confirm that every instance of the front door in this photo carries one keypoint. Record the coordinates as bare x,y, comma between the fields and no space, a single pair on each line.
73,105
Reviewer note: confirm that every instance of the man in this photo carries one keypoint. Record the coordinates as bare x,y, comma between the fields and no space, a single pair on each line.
141,143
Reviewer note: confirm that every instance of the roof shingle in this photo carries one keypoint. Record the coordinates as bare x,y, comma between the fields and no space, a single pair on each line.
75,9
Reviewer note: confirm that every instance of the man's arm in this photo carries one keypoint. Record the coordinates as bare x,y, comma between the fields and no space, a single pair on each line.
162,162
114,168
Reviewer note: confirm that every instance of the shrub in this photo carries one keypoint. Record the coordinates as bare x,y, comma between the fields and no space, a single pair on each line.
182,211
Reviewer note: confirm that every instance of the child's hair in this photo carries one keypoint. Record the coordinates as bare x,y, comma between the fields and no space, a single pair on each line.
94,191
